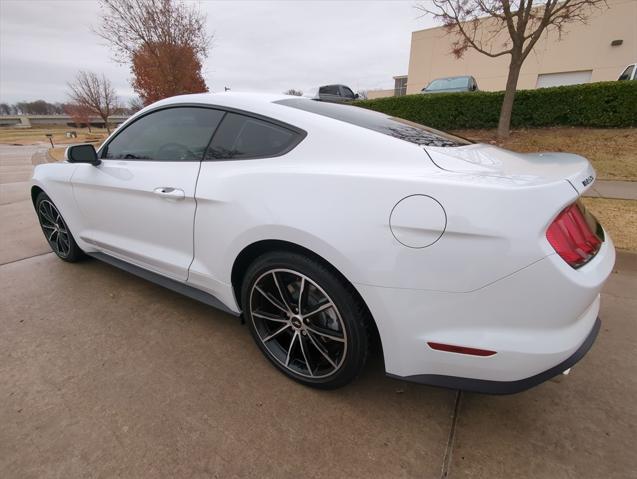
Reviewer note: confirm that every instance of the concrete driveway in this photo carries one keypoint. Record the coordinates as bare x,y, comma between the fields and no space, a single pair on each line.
103,374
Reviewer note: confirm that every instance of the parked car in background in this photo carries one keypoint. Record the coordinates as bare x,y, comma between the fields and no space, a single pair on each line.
334,93
630,73
451,84
326,225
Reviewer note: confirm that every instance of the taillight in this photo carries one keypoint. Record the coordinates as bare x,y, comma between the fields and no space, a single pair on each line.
575,235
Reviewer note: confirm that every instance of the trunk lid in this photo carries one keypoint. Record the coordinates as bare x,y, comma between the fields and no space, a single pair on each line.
524,168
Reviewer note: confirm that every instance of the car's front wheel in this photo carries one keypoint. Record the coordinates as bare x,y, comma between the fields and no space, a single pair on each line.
306,319
55,230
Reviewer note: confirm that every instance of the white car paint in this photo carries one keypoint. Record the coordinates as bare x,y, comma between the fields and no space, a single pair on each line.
475,269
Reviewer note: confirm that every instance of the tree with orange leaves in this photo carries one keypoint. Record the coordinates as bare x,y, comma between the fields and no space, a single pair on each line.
165,70
164,42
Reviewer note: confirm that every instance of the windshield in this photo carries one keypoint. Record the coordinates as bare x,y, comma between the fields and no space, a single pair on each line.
448,84
380,122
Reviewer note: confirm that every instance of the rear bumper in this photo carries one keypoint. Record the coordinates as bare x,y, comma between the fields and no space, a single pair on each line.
536,321
505,387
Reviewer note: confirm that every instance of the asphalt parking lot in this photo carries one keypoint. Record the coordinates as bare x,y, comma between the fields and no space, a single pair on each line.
103,374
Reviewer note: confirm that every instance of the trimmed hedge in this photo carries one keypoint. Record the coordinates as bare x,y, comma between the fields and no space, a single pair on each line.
601,105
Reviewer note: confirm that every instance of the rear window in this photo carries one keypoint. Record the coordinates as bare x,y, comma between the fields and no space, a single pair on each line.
380,122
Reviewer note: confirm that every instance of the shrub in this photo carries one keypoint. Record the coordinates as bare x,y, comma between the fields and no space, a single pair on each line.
602,105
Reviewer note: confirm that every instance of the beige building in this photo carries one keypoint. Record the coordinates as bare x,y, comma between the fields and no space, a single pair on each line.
596,51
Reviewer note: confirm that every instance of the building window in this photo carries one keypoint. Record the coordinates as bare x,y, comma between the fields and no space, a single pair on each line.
400,86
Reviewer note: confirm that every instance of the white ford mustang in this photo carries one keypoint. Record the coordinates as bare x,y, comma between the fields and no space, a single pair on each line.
325,225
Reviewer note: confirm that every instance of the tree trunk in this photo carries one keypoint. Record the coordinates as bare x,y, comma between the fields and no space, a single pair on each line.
504,124
106,125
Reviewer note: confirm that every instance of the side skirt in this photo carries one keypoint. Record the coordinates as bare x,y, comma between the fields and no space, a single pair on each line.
176,286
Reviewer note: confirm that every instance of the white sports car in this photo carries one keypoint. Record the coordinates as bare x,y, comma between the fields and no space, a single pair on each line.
324,225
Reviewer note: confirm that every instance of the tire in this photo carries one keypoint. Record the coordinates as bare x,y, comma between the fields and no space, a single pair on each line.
324,343
56,231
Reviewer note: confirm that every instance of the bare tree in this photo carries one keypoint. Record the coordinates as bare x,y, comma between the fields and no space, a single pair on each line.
134,105
362,94
482,24
293,92
95,93
5,109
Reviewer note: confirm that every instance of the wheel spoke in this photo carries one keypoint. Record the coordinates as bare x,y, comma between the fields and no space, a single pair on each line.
278,287
64,239
301,289
321,350
287,358
276,333
51,212
45,214
272,300
51,235
270,317
317,310
325,334
307,363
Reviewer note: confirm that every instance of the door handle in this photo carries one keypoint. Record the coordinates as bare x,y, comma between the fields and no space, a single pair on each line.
170,193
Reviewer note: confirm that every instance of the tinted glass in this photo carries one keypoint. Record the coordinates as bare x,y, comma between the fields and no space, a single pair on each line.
347,92
372,120
448,84
628,73
241,137
329,90
173,134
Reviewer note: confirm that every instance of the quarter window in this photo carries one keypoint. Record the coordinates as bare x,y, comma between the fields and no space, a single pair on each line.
172,134
243,137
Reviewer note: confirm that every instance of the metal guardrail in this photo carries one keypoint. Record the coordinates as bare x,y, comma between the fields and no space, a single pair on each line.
26,121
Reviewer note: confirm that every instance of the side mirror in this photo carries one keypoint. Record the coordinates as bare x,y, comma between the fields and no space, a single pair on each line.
356,96
82,154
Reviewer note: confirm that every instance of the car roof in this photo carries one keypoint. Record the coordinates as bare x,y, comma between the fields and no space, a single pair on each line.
229,98
449,78
256,103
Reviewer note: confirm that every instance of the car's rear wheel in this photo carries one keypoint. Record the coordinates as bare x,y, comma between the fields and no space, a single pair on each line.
306,319
56,231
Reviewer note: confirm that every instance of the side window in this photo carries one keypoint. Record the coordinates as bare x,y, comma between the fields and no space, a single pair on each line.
330,90
243,137
172,134
347,93
628,73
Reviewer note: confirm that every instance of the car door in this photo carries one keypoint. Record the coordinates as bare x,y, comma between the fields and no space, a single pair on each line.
243,146
139,203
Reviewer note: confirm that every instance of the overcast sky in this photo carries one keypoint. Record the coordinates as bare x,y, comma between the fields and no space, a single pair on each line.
258,45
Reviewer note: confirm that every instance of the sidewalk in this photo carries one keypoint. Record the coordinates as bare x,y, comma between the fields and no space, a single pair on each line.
619,190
